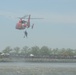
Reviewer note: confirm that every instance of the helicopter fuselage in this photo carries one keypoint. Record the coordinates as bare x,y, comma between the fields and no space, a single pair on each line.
21,25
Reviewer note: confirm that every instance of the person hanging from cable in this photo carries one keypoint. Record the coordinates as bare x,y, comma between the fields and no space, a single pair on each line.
25,34
32,26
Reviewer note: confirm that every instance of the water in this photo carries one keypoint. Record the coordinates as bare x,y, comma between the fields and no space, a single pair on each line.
37,68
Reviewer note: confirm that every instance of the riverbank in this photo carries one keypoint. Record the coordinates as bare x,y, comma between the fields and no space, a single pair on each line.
37,60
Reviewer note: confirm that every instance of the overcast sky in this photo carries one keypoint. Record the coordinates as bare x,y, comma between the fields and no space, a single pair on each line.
56,30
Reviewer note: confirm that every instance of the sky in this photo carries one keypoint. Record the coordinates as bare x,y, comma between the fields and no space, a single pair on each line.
56,30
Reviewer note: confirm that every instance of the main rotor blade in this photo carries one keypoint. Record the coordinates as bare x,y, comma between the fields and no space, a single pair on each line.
23,17
35,18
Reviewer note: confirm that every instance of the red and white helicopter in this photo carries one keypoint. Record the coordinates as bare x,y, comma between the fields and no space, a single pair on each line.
22,23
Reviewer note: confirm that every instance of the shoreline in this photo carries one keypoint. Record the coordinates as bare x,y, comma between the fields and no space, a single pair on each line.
43,60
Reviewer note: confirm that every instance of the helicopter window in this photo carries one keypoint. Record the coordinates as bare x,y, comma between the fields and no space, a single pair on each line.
23,21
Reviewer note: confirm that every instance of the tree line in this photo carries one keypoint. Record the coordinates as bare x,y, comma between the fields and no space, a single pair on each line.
36,51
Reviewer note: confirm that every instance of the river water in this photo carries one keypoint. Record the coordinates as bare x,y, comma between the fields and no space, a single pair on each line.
21,68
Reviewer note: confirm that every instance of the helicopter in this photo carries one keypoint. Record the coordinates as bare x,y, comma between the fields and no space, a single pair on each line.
23,24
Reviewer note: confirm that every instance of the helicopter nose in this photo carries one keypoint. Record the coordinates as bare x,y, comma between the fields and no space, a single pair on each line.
16,26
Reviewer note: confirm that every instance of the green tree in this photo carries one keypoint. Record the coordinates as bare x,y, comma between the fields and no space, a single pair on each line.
69,52
35,50
44,51
74,52
16,50
55,51
62,52
7,50
66,52
24,50
50,51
